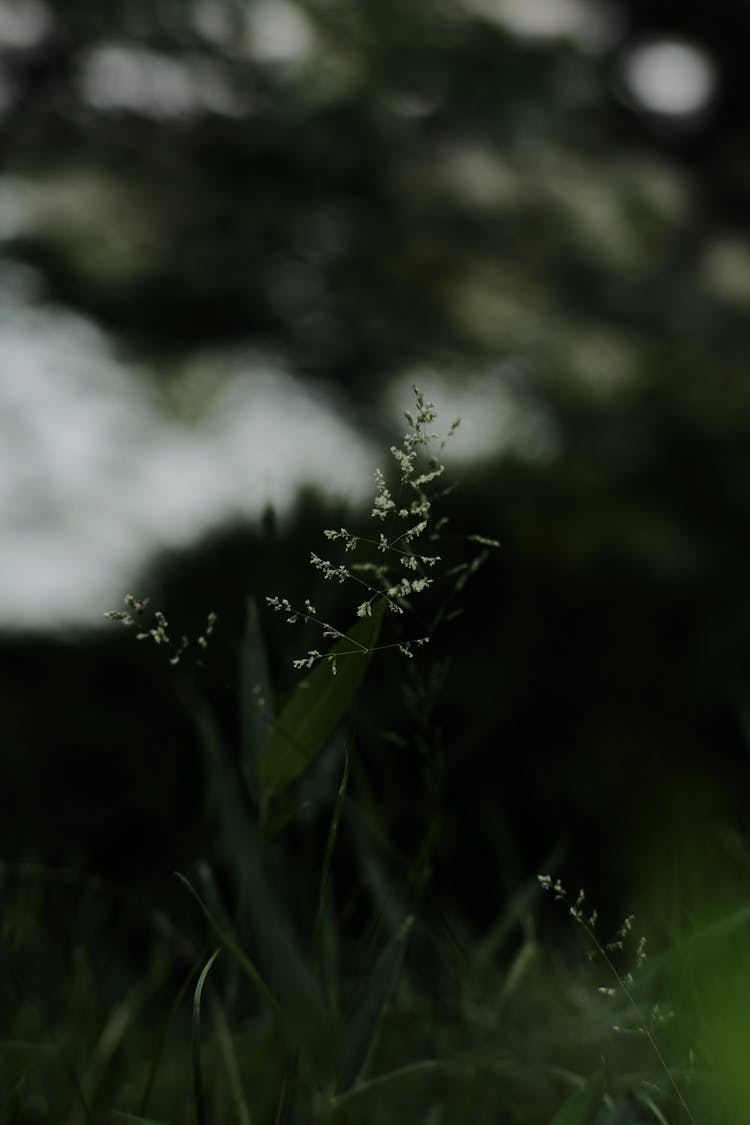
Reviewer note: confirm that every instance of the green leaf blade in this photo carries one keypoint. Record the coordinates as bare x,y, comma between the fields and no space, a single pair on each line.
200,1103
256,701
582,1107
318,705
362,1029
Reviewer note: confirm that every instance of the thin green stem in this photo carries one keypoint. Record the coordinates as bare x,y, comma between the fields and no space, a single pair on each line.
643,1025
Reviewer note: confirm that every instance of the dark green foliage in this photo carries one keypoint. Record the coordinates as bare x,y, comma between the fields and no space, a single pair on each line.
428,189
359,1035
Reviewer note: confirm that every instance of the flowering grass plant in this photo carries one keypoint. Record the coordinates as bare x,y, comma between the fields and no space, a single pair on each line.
315,975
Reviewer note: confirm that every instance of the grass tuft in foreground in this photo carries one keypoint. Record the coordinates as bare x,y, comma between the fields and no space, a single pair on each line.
314,973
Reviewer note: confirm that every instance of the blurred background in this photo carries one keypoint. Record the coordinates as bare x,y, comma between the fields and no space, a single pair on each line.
233,234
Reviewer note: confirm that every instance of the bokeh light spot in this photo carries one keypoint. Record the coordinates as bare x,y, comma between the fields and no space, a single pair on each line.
670,77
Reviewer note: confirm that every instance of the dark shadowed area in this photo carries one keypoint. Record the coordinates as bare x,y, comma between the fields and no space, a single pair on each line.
233,236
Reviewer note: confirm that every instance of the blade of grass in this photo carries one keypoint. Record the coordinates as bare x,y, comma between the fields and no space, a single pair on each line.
582,1107
318,705
285,966
200,1104
297,1014
361,1032
518,908
469,1063
652,1107
239,954
329,956
225,797
136,1118
153,1068
231,1066
371,1085
372,842
214,900
331,843
256,700
526,957
280,1108
102,1062
79,1095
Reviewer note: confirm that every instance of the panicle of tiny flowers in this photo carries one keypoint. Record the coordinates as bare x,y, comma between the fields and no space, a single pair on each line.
624,980
309,660
328,569
182,648
202,639
383,502
578,914
158,630
283,605
159,633
622,935
134,605
406,647
350,541
378,578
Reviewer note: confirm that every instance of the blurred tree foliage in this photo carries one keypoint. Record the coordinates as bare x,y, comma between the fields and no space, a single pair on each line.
357,186
376,187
